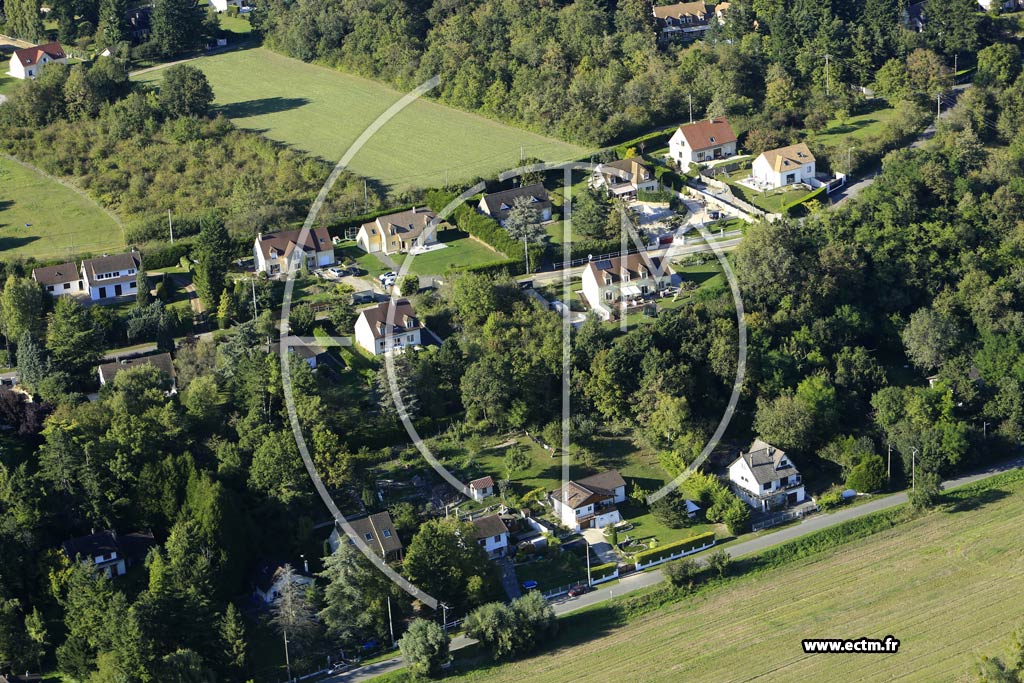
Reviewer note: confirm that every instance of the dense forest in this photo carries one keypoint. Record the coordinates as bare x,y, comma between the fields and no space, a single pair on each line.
593,71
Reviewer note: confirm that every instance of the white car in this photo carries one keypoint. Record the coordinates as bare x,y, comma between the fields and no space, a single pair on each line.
335,272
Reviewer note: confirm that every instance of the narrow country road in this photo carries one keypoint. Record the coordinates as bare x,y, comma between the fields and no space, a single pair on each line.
638,581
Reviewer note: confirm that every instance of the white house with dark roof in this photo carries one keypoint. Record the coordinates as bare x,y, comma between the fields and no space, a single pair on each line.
481,488
498,204
611,285
59,280
784,166
268,580
277,252
109,552
590,502
111,277
624,178
492,535
766,479
398,232
702,141
377,531
373,334
26,63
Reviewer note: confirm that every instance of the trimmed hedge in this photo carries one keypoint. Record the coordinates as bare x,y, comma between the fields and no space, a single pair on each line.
655,140
602,570
486,229
156,228
685,545
165,255
787,209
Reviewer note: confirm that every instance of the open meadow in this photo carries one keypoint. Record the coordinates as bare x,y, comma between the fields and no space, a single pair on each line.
259,89
40,217
947,585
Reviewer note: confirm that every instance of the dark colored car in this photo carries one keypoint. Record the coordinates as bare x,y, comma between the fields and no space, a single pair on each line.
579,590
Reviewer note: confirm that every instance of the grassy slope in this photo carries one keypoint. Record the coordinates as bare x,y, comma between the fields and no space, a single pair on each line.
323,111
462,251
59,218
942,584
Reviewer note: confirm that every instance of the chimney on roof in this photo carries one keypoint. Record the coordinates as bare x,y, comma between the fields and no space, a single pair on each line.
381,326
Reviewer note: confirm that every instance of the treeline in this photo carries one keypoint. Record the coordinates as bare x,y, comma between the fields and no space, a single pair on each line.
594,72
143,153
924,268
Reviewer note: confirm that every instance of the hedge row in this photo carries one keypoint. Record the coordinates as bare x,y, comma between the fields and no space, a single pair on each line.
156,228
165,255
671,549
787,209
486,229
602,570
655,140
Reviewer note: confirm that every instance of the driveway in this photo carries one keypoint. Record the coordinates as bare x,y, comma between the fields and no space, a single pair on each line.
600,545
508,578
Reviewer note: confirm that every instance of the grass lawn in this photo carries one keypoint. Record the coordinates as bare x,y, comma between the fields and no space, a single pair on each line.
461,251
368,262
940,584
854,128
61,222
256,89
7,83
565,569
772,201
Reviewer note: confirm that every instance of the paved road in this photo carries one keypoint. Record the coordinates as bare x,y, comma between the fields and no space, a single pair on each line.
927,134
638,581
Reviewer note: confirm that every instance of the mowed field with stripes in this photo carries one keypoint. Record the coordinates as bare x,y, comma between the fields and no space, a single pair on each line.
948,585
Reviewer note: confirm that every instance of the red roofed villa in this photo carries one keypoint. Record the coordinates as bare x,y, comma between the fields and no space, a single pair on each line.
702,141
29,61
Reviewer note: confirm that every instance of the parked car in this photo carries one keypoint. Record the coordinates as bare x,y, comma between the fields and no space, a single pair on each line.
714,215
335,272
530,585
388,278
579,590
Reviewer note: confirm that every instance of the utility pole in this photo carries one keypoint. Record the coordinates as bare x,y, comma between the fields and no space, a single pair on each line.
255,310
590,583
984,429
689,96
828,80
444,618
913,468
366,202
391,623
888,466
170,225
287,661
526,254
955,55
849,160
938,106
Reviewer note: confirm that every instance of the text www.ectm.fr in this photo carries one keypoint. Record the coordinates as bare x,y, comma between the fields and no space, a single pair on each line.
886,645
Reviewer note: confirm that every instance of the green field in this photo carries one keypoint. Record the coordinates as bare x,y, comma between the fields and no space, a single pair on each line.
947,585
323,111
461,251
40,217
855,127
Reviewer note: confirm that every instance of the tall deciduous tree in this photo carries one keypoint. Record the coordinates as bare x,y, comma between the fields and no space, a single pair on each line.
178,26
184,90
21,307
424,647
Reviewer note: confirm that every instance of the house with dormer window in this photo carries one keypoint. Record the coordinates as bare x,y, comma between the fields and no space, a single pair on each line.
108,552
59,280
28,62
766,479
492,535
111,277
614,285
374,334
682,21
498,204
624,178
591,502
701,142
784,166
288,250
398,232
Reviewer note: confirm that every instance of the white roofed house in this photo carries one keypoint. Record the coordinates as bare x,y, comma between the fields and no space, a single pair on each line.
492,535
373,334
274,253
27,63
398,232
498,204
784,166
111,277
624,178
766,479
613,285
590,502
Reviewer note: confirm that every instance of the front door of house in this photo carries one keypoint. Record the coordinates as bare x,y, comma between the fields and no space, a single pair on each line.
103,292
117,290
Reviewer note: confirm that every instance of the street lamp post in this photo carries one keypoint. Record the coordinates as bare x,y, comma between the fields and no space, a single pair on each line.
287,661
